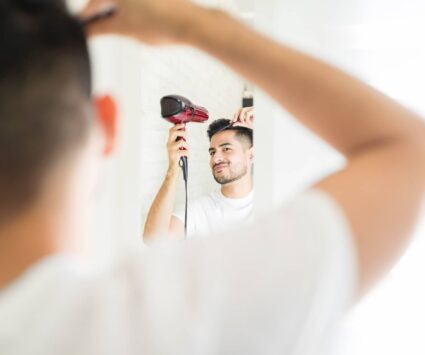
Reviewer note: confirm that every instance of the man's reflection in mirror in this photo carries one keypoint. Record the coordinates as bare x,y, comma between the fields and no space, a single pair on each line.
231,161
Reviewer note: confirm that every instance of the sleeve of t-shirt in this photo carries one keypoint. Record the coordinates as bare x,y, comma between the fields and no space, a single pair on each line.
278,286
192,210
179,212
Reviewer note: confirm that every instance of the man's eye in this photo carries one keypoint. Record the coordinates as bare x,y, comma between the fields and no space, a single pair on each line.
226,149
211,154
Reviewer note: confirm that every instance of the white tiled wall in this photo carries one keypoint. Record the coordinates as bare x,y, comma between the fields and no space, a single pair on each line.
186,72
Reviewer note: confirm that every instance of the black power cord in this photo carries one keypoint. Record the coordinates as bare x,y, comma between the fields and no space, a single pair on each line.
185,167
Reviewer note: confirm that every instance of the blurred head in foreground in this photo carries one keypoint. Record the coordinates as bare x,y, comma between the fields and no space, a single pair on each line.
52,133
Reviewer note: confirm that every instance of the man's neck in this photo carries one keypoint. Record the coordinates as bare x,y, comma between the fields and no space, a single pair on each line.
23,242
239,188
34,236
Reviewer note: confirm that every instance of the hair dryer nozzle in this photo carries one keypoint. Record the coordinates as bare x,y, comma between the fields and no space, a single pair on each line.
178,109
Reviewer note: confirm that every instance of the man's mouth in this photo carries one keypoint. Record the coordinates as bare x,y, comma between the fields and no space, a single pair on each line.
219,167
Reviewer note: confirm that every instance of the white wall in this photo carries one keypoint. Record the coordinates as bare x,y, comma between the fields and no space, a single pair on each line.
116,65
289,158
382,42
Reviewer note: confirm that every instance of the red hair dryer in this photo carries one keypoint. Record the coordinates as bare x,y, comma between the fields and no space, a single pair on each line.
177,109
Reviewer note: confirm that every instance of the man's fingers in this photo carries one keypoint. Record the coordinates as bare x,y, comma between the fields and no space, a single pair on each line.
94,7
236,115
177,127
183,153
176,134
143,20
98,15
246,113
180,145
248,116
243,117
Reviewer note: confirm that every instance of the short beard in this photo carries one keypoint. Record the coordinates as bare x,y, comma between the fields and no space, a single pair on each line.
224,180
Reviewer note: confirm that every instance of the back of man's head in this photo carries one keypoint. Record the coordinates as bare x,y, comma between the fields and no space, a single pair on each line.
44,96
243,134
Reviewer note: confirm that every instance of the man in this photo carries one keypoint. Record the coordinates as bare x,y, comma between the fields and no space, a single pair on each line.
231,160
279,286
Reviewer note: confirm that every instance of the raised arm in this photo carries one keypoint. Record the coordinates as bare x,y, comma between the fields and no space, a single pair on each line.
382,186
381,189
160,223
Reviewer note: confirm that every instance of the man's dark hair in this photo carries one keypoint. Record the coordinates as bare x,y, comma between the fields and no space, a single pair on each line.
244,134
45,93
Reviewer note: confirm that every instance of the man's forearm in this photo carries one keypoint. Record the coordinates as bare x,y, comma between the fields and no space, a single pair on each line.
159,216
345,112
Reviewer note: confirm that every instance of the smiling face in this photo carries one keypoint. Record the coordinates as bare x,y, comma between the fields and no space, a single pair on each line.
230,158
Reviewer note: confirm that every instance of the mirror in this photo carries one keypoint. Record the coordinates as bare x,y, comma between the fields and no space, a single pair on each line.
206,83
139,76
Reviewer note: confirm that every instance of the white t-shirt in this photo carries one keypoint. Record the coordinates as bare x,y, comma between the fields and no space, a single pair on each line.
214,212
278,287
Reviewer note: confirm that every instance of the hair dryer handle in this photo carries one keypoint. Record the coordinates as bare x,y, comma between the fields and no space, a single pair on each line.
185,167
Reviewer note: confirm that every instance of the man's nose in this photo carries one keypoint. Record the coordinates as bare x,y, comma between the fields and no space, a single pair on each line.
218,158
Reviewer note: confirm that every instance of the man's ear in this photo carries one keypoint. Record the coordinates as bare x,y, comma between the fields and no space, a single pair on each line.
251,154
106,115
